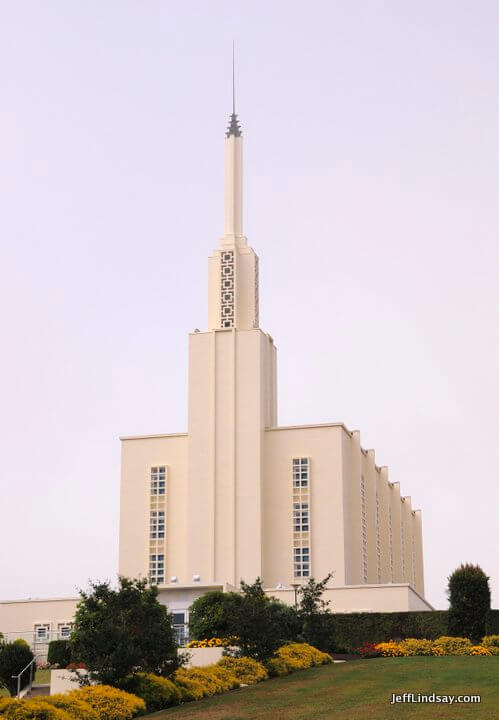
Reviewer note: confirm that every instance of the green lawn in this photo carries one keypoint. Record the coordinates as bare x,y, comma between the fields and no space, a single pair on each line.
358,690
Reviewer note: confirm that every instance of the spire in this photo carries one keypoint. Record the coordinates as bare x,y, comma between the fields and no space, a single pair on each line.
234,126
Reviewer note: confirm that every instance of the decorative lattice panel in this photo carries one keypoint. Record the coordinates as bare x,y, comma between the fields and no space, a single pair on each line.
227,289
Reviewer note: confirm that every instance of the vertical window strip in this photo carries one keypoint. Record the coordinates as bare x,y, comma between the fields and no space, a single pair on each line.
390,540
378,540
301,517
157,524
363,524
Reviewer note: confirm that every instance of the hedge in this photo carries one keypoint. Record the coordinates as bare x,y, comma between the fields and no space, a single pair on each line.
59,653
348,631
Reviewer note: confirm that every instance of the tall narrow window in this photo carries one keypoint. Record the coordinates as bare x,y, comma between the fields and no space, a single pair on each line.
402,546
363,526
157,524
390,539
157,569
158,480
301,517
378,539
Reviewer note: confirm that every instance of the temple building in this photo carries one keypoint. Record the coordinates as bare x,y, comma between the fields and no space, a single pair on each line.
239,497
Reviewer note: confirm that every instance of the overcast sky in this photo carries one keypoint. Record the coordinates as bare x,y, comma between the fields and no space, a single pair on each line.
371,196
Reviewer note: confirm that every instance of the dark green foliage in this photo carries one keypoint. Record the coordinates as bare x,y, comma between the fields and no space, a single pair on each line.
120,632
314,614
469,598
261,623
59,653
346,632
214,615
492,623
14,657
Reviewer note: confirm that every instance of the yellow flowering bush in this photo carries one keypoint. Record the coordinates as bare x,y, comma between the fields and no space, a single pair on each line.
445,645
479,650
35,709
110,703
213,642
157,692
5,702
246,670
491,642
389,649
296,656
77,709
190,688
413,646
210,680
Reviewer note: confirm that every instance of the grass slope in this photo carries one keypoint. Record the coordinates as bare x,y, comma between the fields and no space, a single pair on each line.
358,690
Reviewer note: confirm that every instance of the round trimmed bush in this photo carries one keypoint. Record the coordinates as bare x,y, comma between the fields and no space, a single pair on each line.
246,670
77,709
157,692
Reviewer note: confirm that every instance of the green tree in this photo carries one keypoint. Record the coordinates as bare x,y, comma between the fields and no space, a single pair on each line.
264,623
118,633
214,614
14,657
469,598
314,613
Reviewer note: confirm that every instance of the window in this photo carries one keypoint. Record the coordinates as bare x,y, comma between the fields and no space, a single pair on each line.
158,480
363,526
157,525
300,472
300,517
64,630
42,633
302,562
180,628
156,569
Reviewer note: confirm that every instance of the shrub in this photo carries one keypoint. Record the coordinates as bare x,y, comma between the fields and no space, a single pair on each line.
479,650
469,597
13,659
22,642
157,692
368,650
296,656
6,702
190,688
77,709
245,669
214,614
208,680
491,642
119,632
389,649
446,645
277,667
59,653
413,646
110,703
36,709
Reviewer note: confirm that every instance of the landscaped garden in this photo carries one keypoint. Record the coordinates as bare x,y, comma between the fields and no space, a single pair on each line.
124,656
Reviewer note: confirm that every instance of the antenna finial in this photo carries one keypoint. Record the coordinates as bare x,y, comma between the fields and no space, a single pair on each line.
233,81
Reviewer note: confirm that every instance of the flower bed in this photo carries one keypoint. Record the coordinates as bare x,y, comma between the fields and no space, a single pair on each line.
441,646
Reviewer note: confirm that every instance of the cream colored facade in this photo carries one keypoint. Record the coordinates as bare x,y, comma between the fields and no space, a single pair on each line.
237,496
244,498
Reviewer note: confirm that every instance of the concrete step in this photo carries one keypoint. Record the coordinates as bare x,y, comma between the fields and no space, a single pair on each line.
38,690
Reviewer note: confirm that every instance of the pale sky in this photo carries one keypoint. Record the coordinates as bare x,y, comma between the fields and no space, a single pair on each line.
371,179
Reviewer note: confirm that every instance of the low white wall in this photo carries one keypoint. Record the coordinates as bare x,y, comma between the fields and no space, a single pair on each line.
394,597
63,681
199,657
